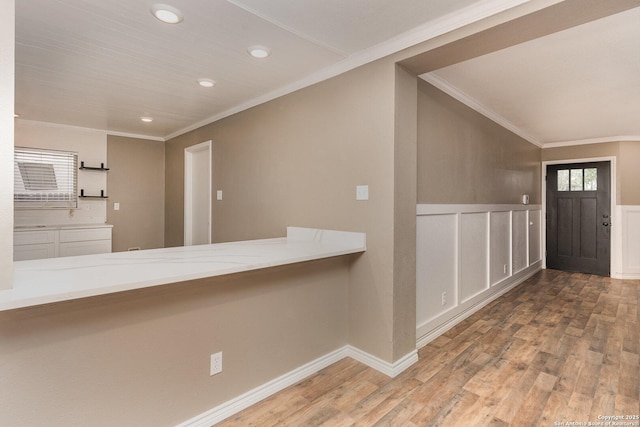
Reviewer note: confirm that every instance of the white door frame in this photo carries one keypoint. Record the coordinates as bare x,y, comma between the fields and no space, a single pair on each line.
616,223
188,189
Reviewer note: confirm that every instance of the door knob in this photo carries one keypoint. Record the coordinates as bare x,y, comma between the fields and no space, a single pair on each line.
605,216
605,224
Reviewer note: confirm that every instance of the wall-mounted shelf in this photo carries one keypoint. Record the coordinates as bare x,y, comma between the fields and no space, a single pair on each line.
86,196
93,168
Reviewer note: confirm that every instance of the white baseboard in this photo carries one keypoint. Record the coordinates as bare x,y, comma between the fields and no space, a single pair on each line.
235,405
626,276
389,369
448,323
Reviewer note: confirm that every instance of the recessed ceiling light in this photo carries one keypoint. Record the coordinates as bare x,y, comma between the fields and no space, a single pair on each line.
167,14
146,119
206,82
259,51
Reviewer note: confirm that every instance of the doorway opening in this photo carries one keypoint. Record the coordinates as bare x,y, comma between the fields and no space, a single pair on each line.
197,194
578,217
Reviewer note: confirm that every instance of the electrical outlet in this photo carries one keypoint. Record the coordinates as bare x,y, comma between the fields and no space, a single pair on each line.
216,363
444,298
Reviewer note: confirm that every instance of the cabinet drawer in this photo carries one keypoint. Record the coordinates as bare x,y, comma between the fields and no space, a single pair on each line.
39,251
33,237
85,234
85,248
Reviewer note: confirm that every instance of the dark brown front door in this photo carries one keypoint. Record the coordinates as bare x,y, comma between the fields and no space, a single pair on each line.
578,217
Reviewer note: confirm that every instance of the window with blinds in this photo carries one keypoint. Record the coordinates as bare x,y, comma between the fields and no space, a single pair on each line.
44,179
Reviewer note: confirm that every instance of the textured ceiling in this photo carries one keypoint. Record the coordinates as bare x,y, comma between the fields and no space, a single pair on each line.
104,64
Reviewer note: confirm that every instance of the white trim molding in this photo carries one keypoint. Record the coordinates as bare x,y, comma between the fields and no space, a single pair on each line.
630,242
429,30
474,104
469,255
101,131
458,316
189,196
389,369
448,88
591,141
237,404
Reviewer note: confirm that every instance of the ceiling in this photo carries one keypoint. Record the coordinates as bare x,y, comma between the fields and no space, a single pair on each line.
577,85
104,64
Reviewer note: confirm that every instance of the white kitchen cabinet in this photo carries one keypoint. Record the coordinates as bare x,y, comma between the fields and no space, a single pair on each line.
59,241
36,251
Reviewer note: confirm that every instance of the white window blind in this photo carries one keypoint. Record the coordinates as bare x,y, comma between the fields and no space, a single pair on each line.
45,178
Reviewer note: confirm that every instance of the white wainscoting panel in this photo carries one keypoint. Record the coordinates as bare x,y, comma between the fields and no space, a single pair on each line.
462,250
519,247
474,254
438,272
535,221
630,242
500,252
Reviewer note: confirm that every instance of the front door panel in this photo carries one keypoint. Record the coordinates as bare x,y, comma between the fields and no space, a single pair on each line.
578,217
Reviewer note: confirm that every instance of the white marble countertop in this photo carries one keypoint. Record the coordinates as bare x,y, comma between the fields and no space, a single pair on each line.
58,226
60,279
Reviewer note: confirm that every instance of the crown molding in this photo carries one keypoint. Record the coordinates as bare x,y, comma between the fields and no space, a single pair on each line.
474,104
59,125
592,141
471,102
86,129
135,135
423,33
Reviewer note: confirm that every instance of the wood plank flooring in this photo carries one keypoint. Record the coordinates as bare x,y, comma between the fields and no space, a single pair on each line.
560,348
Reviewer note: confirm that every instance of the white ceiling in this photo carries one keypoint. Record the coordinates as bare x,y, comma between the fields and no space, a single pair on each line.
103,64
577,85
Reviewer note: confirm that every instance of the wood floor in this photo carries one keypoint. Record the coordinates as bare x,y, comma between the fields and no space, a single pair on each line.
559,348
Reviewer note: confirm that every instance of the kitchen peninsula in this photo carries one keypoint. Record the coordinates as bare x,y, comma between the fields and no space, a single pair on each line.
47,281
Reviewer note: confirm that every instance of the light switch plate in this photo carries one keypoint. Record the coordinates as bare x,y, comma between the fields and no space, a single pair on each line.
362,192
219,195
116,206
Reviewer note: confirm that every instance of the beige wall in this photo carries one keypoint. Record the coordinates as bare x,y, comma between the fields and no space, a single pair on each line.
573,152
296,161
465,158
629,172
136,182
627,154
404,200
141,358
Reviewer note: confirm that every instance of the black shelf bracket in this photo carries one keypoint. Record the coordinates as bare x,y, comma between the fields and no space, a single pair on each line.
101,196
93,168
